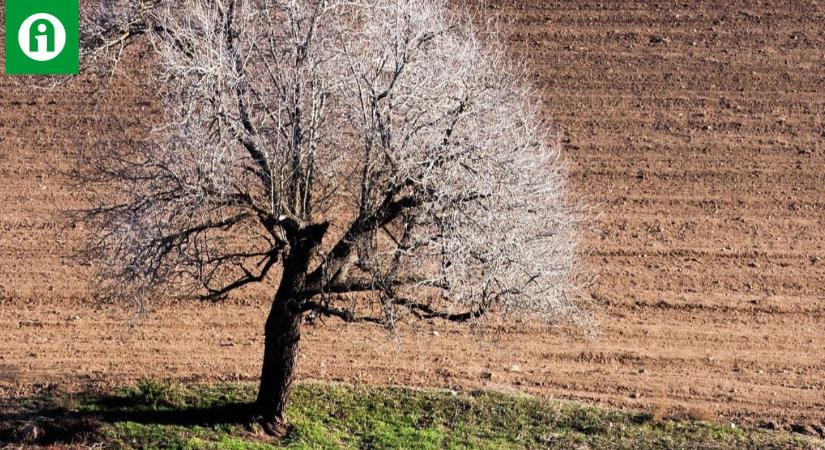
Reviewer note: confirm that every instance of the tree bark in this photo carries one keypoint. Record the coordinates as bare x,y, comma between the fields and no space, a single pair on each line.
283,332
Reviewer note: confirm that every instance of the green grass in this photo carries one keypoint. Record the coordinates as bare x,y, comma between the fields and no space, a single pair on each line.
156,415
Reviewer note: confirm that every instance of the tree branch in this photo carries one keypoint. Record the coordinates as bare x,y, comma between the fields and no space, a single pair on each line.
419,310
424,311
353,285
219,294
346,316
336,258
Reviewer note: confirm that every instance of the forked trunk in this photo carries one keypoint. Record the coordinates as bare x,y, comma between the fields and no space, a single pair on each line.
283,332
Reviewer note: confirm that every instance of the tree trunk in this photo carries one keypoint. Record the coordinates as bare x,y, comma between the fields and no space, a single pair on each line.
283,331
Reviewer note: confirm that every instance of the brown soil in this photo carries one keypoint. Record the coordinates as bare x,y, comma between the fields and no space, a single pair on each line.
697,131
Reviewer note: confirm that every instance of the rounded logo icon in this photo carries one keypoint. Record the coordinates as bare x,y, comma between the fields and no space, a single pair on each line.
42,37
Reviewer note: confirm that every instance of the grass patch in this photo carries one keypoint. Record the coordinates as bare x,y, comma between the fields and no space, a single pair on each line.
157,415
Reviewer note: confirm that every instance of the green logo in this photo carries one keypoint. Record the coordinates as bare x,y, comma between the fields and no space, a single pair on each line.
42,37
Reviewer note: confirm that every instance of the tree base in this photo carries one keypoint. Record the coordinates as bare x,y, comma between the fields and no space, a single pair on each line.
277,429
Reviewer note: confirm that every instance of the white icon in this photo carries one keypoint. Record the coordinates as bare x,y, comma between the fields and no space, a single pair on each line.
42,37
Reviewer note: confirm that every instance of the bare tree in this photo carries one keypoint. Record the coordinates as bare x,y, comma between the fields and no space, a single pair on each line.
380,147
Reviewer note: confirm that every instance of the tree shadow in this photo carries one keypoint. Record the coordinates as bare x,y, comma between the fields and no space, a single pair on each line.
119,409
38,422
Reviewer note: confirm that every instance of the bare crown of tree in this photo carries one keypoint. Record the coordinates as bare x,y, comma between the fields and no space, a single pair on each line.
383,147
